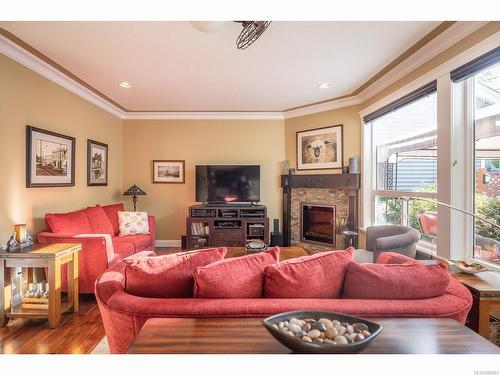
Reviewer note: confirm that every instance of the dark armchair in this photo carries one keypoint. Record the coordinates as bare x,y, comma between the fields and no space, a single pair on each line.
396,238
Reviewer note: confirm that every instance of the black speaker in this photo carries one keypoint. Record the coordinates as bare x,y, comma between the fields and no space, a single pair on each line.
183,242
276,226
276,239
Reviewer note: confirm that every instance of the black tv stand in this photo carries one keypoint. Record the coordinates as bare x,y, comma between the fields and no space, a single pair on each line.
230,225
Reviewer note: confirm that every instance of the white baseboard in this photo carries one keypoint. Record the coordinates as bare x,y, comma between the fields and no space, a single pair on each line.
168,243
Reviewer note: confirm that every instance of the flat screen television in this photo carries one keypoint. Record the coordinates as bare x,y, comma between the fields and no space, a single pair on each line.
227,183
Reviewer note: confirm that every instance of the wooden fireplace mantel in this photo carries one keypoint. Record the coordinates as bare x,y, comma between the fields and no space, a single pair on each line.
347,181
351,182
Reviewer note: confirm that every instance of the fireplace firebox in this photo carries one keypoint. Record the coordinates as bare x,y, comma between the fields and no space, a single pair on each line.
318,223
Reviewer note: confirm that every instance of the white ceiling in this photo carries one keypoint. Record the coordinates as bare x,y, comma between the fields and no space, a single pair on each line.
174,67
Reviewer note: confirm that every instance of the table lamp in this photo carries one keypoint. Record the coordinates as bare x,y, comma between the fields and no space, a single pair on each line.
134,191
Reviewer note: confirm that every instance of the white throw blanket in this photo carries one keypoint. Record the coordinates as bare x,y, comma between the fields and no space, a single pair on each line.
110,252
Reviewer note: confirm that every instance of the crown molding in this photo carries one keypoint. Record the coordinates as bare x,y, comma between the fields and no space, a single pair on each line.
439,44
27,59
203,116
444,69
322,107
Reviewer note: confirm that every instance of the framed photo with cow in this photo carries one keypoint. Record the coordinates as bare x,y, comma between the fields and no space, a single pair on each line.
320,148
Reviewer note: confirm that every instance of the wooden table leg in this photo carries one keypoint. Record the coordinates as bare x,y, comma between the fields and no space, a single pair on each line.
54,292
73,283
484,318
2,293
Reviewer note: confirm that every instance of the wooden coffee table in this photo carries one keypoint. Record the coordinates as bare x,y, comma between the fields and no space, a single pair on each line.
248,336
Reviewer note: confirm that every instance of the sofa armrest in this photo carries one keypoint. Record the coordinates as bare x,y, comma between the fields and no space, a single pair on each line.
152,229
96,254
397,241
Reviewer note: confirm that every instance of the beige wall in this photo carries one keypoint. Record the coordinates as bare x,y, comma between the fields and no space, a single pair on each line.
198,142
348,116
28,98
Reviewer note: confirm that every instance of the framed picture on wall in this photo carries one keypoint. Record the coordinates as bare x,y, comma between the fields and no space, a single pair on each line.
50,158
97,163
320,148
168,171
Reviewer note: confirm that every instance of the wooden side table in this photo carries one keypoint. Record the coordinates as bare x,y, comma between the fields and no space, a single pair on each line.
52,257
485,289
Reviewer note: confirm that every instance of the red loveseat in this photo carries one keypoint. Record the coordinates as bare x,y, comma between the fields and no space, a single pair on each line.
96,229
124,314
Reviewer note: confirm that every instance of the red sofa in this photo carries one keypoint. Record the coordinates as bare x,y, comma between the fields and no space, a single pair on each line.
124,314
96,229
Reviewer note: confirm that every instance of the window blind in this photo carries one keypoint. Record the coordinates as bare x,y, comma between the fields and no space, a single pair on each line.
475,65
401,102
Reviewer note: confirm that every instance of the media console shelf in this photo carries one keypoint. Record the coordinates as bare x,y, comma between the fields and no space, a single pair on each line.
226,225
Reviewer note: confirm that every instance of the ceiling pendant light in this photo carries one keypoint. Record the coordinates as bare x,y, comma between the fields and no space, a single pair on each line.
252,30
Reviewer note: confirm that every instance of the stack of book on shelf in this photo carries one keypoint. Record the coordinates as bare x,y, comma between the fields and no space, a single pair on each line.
199,229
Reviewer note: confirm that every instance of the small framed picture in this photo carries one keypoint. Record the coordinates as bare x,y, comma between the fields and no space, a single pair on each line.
320,148
50,158
168,171
97,163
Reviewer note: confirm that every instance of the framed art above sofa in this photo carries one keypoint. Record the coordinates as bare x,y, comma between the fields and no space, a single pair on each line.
97,163
50,158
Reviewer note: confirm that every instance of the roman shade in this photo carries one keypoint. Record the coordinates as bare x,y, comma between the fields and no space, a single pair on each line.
474,66
430,88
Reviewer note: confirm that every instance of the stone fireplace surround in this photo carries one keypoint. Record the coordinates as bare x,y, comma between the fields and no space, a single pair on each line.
339,190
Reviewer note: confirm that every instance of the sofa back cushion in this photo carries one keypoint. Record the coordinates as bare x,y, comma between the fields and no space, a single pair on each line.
112,214
395,281
69,223
389,257
167,276
99,221
241,277
319,275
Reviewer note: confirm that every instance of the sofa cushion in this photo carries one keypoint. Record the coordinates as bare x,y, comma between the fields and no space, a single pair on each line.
132,223
395,281
69,223
319,275
138,242
124,249
241,277
167,276
99,221
112,214
389,257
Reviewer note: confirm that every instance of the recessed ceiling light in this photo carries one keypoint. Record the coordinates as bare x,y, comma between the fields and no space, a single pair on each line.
324,85
125,84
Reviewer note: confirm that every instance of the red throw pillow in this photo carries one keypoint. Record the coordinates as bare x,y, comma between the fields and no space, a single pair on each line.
241,277
388,257
98,220
316,276
112,214
69,223
395,281
167,276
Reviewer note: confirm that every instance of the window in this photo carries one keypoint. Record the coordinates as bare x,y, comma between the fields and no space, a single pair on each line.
404,154
486,163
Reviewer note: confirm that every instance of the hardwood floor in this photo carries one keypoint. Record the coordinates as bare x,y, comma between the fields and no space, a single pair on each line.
78,333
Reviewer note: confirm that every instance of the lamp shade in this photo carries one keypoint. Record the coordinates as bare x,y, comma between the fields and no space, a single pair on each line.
135,190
